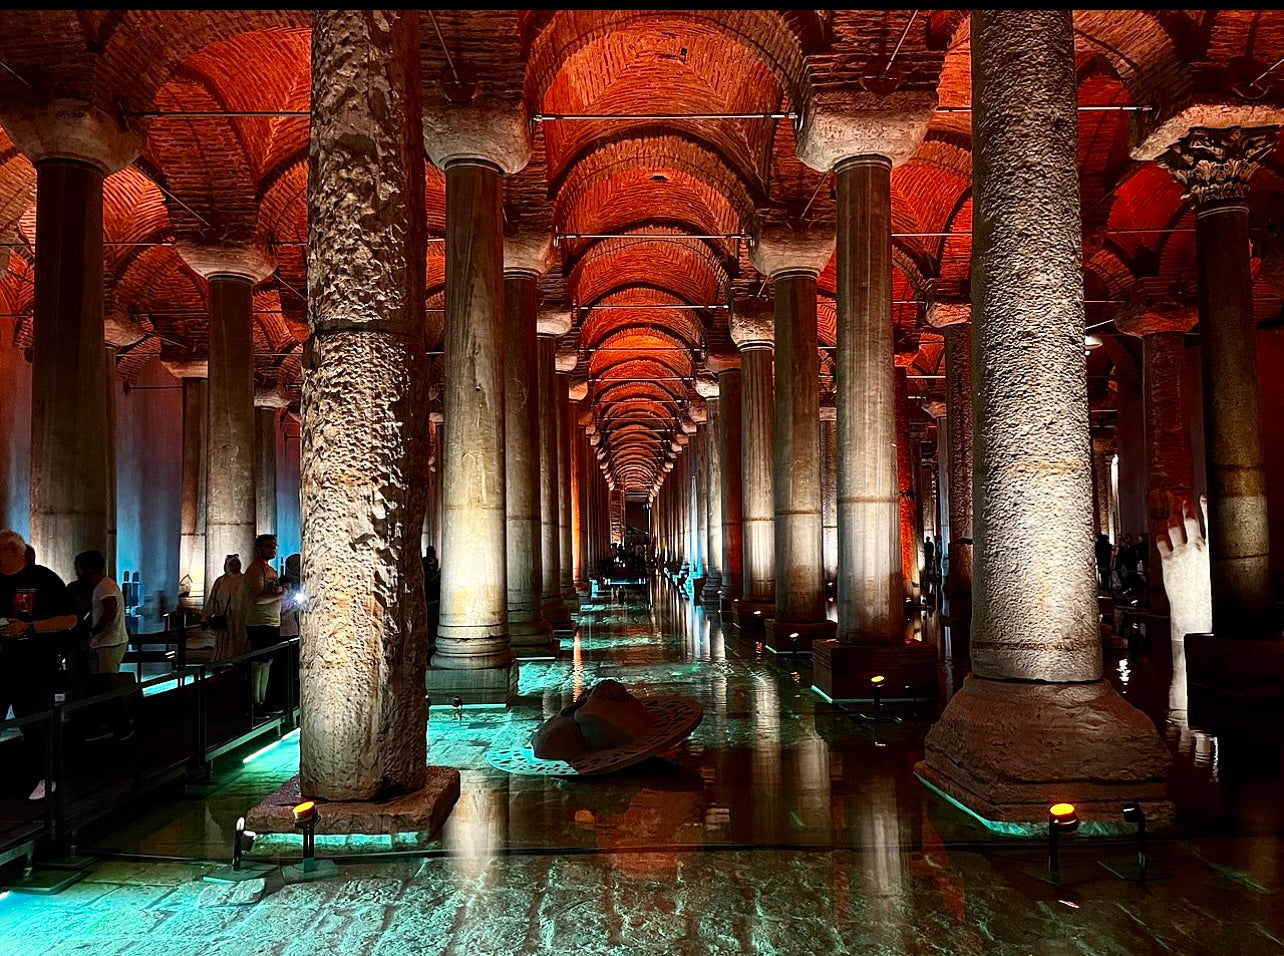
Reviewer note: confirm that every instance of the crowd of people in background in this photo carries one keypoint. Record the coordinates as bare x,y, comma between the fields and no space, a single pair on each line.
1121,566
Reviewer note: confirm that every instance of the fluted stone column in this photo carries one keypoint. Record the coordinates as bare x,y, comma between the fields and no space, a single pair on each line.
860,137
829,493
192,506
265,469
576,392
230,271
793,261
707,388
526,258
699,449
908,535
954,319
1214,166
551,324
751,330
1034,721
730,452
364,641
565,364
1170,477
74,147
475,146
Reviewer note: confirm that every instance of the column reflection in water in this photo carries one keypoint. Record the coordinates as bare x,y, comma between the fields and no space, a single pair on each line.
809,785
764,781
477,828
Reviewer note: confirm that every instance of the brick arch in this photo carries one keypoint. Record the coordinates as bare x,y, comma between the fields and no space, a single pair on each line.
692,272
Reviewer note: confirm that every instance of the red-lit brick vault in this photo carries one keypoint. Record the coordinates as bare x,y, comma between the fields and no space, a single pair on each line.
662,140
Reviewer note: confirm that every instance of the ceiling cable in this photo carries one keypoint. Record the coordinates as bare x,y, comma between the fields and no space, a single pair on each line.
450,62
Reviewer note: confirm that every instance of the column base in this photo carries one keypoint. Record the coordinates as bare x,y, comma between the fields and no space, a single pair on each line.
727,606
752,615
712,592
584,589
571,599
487,686
780,638
843,671
420,813
532,640
1006,751
558,616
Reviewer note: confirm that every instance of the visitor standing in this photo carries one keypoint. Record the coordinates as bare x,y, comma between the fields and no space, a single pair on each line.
35,613
224,611
263,594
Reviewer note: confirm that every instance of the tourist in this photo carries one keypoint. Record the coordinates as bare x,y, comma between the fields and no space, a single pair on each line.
108,639
36,614
263,594
292,598
224,611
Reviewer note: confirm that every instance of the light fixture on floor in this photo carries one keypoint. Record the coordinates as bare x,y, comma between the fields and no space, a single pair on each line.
1138,870
458,704
1062,818
241,869
793,643
306,818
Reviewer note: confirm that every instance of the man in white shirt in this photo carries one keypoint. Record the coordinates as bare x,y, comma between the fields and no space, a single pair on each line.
108,639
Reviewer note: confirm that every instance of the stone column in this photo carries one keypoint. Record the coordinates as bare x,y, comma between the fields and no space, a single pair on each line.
1170,476
1034,722
699,451
954,318
476,147
364,640
1103,489
230,272
109,451
74,147
265,469
860,138
793,261
829,493
730,452
908,535
707,388
751,330
192,508
565,364
526,258
553,607
1214,166
576,392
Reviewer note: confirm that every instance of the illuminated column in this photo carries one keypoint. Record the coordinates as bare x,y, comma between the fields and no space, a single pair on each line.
526,258
793,260
566,361
707,388
1214,166
751,330
1170,473
551,325
860,138
730,451
829,490
954,319
364,640
699,449
905,481
576,392
1103,452
192,507
231,505
265,468
74,147
109,453
476,147
1034,722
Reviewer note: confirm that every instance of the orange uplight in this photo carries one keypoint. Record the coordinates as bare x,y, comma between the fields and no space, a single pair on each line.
793,635
757,614
877,679
1060,810
305,811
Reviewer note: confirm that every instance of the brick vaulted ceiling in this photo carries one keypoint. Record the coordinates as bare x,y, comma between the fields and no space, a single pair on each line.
650,206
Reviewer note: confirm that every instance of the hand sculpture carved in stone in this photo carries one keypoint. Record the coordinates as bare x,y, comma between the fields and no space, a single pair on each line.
1183,554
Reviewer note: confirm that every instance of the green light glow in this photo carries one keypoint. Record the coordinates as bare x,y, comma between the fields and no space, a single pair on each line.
292,735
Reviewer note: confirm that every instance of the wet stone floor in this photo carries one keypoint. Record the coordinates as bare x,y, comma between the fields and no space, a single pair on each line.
783,824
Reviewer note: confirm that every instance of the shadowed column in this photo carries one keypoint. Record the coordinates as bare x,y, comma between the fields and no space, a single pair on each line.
74,146
729,452
526,258
707,387
551,324
192,507
1034,721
